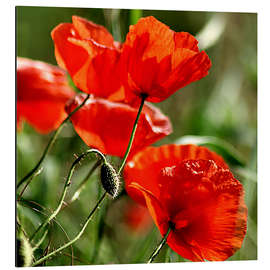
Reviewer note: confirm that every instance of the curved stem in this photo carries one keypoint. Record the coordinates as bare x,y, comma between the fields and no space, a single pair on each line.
132,134
40,240
74,239
67,184
50,144
28,182
83,183
159,247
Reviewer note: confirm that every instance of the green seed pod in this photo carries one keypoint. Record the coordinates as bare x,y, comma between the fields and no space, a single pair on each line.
109,179
24,252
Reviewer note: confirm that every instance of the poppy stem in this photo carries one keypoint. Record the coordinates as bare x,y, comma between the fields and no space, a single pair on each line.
74,239
50,144
67,184
132,134
159,247
28,182
83,183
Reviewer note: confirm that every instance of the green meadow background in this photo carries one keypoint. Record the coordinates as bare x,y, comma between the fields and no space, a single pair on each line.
219,111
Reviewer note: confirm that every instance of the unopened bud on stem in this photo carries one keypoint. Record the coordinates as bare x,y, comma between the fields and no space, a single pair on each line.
109,179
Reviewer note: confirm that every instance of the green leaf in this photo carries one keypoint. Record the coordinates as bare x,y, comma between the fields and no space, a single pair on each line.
218,145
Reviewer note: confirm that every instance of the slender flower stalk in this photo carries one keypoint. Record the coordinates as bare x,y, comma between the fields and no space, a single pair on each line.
132,134
83,183
50,144
74,239
159,247
28,182
40,240
67,184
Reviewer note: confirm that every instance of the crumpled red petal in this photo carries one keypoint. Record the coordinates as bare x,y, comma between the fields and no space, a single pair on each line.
158,61
202,203
42,91
107,125
90,55
147,164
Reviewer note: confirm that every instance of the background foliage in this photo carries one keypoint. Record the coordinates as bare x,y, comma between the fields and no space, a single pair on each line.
219,111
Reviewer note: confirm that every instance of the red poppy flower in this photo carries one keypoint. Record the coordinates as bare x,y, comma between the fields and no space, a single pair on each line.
191,190
136,217
157,61
90,55
42,91
107,125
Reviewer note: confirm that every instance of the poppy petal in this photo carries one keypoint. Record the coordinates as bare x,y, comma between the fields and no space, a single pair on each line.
190,68
69,56
107,125
44,116
215,226
95,77
160,38
201,200
148,163
87,29
87,51
156,61
42,91
156,210
186,40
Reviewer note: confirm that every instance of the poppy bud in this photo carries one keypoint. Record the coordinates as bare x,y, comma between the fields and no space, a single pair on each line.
24,252
109,179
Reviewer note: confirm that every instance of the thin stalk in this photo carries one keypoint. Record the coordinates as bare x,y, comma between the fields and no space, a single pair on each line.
83,183
132,135
50,144
40,241
67,184
74,239
100,230
28,182
159,247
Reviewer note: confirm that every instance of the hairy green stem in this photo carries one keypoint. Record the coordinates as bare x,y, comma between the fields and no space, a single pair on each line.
50,144
74,239
132,134
67,184
159,247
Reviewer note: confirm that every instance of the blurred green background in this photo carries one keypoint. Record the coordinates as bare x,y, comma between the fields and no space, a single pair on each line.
219,111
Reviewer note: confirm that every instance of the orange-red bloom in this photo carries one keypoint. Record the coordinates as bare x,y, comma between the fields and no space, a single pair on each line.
42,91
191,190
91,56
157,61
107,125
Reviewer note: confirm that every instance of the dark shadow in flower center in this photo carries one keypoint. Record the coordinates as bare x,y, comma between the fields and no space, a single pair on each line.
171,225
143,96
